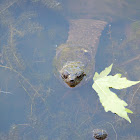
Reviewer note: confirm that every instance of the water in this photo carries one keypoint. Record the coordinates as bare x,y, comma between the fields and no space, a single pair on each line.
34,104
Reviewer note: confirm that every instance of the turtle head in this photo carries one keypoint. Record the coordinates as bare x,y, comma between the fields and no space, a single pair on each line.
72,73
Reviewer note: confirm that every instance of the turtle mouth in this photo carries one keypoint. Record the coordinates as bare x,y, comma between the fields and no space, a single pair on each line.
71,84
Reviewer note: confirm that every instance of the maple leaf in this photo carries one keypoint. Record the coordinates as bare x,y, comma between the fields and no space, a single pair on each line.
109,100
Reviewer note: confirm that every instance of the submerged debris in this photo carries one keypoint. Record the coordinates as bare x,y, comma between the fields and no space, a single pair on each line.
99,134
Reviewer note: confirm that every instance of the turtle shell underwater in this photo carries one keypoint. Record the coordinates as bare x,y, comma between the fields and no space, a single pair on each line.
75,60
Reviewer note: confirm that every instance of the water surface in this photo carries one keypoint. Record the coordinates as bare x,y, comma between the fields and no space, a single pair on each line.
34,104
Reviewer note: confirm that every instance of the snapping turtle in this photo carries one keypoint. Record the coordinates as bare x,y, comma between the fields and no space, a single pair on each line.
75,60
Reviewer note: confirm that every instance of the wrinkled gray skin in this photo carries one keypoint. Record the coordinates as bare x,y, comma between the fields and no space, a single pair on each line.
75,60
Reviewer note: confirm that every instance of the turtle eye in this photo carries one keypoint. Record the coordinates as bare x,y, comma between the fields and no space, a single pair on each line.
81,75
65,75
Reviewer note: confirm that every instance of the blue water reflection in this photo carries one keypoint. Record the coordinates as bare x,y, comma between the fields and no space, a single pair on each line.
35,105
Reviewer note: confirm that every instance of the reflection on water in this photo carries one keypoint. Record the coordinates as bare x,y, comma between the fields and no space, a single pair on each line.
34,104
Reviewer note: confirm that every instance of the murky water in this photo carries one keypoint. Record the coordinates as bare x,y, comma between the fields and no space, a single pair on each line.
34,104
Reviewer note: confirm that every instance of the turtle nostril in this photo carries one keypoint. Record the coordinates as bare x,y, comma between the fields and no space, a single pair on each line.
71,81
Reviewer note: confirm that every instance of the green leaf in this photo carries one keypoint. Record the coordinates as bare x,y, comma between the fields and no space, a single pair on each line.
128,111
103,73
110,101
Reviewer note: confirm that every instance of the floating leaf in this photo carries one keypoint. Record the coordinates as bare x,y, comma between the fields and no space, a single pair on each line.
110,101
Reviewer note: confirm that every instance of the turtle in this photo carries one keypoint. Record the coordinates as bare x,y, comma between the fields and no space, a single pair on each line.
75,59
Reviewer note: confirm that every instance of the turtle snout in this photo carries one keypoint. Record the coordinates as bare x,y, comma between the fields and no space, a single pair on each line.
71,81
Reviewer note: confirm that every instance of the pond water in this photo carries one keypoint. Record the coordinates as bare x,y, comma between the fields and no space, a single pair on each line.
34,104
